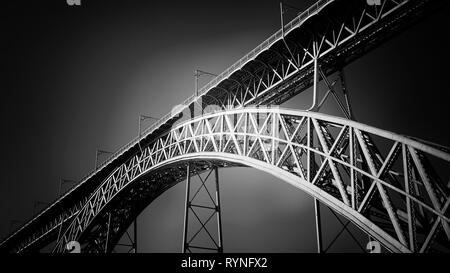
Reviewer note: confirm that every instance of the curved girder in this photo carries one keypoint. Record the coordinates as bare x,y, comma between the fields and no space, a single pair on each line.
134,198
342,39
341,170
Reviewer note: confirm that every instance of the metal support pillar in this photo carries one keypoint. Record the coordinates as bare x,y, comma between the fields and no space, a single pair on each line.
316,77
196,76
210,208
318,225
186,211
343,108
135,236
346,109
219,214
107,232
281,17
344,91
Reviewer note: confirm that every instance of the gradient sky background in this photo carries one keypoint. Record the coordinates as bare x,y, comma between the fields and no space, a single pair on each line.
75,79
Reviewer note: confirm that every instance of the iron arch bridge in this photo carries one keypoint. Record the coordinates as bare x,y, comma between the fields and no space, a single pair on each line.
392,187
394,196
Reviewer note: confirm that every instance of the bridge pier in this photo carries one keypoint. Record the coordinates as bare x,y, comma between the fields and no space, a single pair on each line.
107,232
212,207
186,207
135,235
318,225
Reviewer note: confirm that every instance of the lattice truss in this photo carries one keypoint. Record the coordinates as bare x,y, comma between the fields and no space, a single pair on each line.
204,232
334,32
105,232
393,193
334,35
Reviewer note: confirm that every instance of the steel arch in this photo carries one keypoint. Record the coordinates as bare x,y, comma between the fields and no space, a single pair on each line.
398,198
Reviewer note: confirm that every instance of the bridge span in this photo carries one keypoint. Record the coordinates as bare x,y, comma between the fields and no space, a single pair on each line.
384,183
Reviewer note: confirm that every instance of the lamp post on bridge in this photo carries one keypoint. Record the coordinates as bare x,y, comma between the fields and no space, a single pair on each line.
13,223
99,153
63,181
38,203
197,74
283,9
141,119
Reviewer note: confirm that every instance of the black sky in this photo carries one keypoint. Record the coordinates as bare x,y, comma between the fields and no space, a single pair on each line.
75,79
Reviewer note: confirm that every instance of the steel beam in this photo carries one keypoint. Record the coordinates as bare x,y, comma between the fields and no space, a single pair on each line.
186,207
318,225
188,136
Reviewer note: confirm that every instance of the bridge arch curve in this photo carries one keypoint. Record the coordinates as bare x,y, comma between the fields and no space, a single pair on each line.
303,185
262,138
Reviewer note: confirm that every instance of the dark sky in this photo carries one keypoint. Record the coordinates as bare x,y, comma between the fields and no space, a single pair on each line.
75,79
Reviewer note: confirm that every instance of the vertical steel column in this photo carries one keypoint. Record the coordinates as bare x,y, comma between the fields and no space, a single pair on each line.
316,77
107,232
309,143
310,176
318,225
344,91
197,74
196,83
139,133
60,227
135,236
195,205
186,212
409,204
218,210
281,17
352,172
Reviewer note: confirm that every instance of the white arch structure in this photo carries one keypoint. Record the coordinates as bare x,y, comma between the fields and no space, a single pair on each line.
393,195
